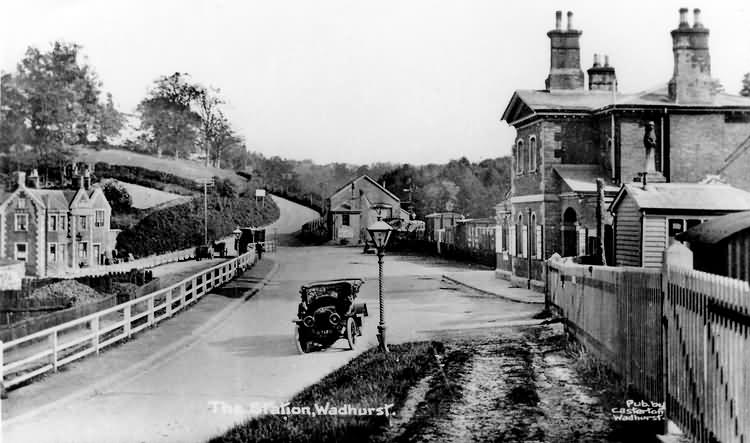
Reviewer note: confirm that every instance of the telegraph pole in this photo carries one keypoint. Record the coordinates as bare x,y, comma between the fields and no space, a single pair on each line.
206,182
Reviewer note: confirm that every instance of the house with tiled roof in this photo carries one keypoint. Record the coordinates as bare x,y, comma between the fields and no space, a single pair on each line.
570,133
53,230
356,205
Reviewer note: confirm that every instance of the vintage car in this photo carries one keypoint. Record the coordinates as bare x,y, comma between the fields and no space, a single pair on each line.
327,313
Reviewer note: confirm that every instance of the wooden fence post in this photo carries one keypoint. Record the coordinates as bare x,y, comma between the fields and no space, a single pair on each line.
126,313
169,303
2,383
52,340
95,340
151,311
675,256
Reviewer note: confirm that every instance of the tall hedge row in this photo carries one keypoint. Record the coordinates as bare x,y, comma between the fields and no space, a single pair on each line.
180,227
144,177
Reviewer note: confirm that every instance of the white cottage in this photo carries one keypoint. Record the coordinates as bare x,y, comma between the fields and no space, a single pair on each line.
646,219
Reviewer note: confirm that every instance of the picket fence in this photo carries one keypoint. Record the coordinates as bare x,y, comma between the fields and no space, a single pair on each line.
48,350
679,336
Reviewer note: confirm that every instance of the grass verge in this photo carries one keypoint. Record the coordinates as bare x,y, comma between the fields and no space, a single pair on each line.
371,380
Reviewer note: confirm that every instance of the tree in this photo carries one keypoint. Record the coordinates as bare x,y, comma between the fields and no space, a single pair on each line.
223,137
118,197
746,86
112,120
167,116
52,102
213,122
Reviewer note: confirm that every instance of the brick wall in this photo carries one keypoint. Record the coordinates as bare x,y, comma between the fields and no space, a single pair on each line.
528,182
29,236
632,152
698,145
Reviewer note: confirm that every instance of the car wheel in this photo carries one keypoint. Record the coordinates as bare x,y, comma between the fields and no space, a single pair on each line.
301,343
351,332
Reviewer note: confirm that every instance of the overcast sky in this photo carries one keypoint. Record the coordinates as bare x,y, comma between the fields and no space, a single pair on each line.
363,81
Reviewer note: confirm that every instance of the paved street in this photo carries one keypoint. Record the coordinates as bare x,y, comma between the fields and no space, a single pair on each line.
250,355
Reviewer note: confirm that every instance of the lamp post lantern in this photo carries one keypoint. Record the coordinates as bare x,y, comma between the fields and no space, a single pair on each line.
380,232
237,234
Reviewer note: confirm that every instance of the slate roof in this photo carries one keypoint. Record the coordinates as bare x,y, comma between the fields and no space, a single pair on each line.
593,101
717,229
686,196
582,178
368,178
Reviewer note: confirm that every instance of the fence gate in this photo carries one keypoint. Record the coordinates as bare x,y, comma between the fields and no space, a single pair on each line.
707,331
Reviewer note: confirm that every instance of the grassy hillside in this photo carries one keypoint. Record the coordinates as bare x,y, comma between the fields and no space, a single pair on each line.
188,169
146,198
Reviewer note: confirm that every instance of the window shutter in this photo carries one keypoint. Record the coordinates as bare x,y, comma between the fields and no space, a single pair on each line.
538,238
512,239
524,241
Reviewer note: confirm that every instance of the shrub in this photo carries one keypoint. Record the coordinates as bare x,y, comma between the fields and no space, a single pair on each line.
180,227
118,197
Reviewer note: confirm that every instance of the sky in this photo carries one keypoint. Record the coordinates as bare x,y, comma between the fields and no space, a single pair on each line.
404,81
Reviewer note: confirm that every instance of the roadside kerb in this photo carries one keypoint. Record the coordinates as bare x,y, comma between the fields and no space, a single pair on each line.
159,356
101,324
505,296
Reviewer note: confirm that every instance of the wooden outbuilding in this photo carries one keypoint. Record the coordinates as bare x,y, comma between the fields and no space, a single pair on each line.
722,245
647,219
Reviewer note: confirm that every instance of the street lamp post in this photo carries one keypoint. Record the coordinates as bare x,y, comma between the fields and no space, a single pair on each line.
380,232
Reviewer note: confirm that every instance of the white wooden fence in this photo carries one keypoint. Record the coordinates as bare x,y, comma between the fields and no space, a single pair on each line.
679,336
49,350
141,263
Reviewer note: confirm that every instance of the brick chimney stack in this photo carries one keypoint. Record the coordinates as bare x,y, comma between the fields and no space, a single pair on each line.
21,179
34,179
565,57
86,179
691,81
602,77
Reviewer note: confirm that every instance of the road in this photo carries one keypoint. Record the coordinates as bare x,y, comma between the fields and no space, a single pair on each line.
291,217
251,357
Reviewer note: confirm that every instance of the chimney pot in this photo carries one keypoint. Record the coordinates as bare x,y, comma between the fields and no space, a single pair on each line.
21,179
606,61
596,60
684,17
558,20
697,18
570,20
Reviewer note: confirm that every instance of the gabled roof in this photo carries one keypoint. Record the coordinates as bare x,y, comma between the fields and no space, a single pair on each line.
582,178
526,103
9,197
52,198
685,196
365,177
717,229
81,199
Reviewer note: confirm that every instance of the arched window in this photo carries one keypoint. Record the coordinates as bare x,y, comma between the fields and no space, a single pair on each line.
519,157
532,153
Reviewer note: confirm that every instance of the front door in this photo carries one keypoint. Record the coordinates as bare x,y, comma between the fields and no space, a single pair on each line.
98,254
